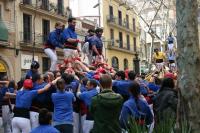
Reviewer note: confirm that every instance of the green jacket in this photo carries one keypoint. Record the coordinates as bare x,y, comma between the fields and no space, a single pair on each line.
105,109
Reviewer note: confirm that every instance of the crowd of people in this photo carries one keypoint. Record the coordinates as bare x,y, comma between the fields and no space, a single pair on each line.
78,97
66,102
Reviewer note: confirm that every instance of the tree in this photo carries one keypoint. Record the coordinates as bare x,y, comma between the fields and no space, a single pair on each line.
188,62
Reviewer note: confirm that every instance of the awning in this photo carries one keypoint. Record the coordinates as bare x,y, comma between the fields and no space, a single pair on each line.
3,31
2,67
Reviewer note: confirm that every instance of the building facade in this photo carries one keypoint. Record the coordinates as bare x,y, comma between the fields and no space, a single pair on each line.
27,28
121,34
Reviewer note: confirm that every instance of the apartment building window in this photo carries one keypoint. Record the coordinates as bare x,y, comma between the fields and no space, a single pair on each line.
45,29
27,1
134,28
111,12
127,21
128,41
45,64
27,30
112,37
125,64
45,5
115,62
120,40
60,7
120,17
135,44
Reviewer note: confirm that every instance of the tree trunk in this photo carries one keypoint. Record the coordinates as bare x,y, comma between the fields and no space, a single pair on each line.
188,61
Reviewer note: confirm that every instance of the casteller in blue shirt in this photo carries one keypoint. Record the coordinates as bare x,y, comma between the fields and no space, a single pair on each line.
45,129
86,96
63,109
67,34
136,109
54,39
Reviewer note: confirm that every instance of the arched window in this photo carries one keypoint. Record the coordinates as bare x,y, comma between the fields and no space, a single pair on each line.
125,64
115,62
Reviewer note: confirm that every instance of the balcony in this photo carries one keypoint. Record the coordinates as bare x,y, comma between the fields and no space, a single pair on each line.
123,25
43,8
27,39
110,46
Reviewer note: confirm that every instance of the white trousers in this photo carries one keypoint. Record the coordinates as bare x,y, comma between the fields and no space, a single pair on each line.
34,119
53,57
69,52
87,126
21,125
170,46
6,118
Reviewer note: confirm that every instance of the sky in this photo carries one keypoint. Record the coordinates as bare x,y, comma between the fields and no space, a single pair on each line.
83,8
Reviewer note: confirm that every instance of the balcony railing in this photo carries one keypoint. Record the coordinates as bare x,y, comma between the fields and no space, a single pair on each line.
27,39
46,8
117,47
122,24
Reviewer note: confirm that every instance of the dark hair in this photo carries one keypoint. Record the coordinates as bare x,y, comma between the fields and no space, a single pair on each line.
98,30
71,19
59,82
134,89
68,78
93,83
91,30
105,81
36,77
44,117
131,75
157,81
167,83
12,84
121,74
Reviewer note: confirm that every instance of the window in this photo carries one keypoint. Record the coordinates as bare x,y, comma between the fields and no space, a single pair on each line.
112,36
27,30
60,7
27,1
45,29
111,12
128,41
120,18
127,21
45,64
135,44
125,64
120,40
45,5
134,28
115,62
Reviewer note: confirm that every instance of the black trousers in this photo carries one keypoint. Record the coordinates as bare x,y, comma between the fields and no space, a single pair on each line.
65,128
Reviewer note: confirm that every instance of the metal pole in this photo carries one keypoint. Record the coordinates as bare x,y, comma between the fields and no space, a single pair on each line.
99,13
34,30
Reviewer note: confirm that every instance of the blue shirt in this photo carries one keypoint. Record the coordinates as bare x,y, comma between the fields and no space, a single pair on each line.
130,109
153,87
45,129
121,87
86,96
170,40
24,98
63,110
41,97
55,39
69,33
3,91
97,42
